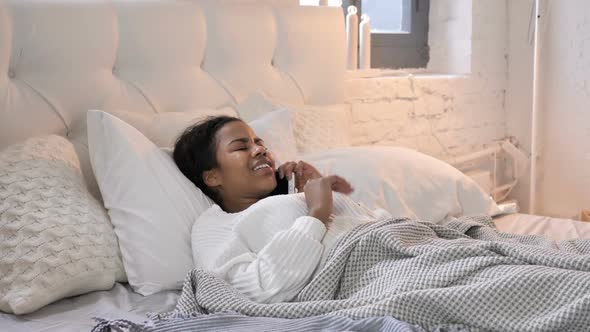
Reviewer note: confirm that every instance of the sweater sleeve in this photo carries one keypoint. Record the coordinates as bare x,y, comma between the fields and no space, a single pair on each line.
278,271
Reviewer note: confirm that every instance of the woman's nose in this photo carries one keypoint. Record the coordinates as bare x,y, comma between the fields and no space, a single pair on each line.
260,150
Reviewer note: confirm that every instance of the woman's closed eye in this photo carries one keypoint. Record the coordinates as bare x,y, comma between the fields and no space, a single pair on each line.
247,148
243,144
259,142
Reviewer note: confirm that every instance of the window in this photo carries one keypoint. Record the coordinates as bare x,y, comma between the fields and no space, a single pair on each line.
399,30
389,17
318,2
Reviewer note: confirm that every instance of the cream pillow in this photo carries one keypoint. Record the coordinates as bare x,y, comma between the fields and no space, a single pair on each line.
315,127
405,182
55,238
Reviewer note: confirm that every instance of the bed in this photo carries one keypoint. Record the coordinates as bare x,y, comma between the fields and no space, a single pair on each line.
157,65
554,228
75,314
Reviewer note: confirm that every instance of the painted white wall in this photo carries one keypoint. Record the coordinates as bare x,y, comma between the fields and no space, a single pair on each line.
564,188
520,85
564,163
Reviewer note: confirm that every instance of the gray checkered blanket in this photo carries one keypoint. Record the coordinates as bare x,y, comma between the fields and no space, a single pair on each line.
460,275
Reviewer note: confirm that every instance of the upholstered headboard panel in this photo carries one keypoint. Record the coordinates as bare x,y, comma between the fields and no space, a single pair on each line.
61,58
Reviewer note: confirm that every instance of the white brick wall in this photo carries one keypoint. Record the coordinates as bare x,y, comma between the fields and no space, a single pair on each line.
438,115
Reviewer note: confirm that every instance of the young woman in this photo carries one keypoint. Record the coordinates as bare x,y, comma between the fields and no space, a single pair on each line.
267,247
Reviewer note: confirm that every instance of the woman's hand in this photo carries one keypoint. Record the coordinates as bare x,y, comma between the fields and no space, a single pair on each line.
318,195
302,170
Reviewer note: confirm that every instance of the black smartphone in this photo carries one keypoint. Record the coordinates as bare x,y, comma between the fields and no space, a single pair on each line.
282,187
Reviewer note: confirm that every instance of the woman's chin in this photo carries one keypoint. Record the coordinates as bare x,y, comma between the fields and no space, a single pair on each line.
267,188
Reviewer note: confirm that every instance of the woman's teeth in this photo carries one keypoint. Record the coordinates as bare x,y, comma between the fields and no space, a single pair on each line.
261,166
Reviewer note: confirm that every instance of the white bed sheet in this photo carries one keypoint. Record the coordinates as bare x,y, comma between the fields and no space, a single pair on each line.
553,228
75,314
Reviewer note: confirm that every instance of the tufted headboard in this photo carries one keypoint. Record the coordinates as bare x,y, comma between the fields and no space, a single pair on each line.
60,58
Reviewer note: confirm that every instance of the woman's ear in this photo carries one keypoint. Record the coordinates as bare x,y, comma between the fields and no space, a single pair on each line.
212,178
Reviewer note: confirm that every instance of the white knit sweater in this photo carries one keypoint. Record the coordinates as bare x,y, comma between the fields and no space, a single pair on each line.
270,251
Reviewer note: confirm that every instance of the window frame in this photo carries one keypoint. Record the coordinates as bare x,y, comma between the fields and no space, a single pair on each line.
415,42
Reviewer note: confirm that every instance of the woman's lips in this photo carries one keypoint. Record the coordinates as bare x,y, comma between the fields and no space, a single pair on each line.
264,170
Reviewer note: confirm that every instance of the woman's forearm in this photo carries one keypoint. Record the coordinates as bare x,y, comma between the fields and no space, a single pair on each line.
282,268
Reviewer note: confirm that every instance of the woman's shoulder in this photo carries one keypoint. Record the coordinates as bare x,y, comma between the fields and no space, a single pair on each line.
213,211
211,226
213,216
272,212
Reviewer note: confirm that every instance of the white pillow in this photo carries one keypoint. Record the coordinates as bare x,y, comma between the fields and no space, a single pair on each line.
150,202
55,238
315,127
405,182
163,129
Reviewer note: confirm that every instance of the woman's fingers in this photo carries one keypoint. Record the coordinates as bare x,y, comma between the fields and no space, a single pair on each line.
291,169
342,186
300,177
339,184
299,168
286,169
305,171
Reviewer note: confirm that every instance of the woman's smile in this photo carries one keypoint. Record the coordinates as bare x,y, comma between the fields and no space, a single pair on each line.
263,167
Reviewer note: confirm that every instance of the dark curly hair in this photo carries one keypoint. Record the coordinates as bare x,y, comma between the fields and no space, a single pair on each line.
194,151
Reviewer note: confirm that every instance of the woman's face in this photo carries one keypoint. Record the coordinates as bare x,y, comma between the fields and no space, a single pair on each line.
245,168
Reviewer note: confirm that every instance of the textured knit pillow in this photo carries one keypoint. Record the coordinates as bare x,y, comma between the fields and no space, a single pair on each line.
315,127
55,238
319,128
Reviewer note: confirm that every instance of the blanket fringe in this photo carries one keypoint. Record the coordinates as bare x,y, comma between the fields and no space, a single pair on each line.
119,325
156,317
